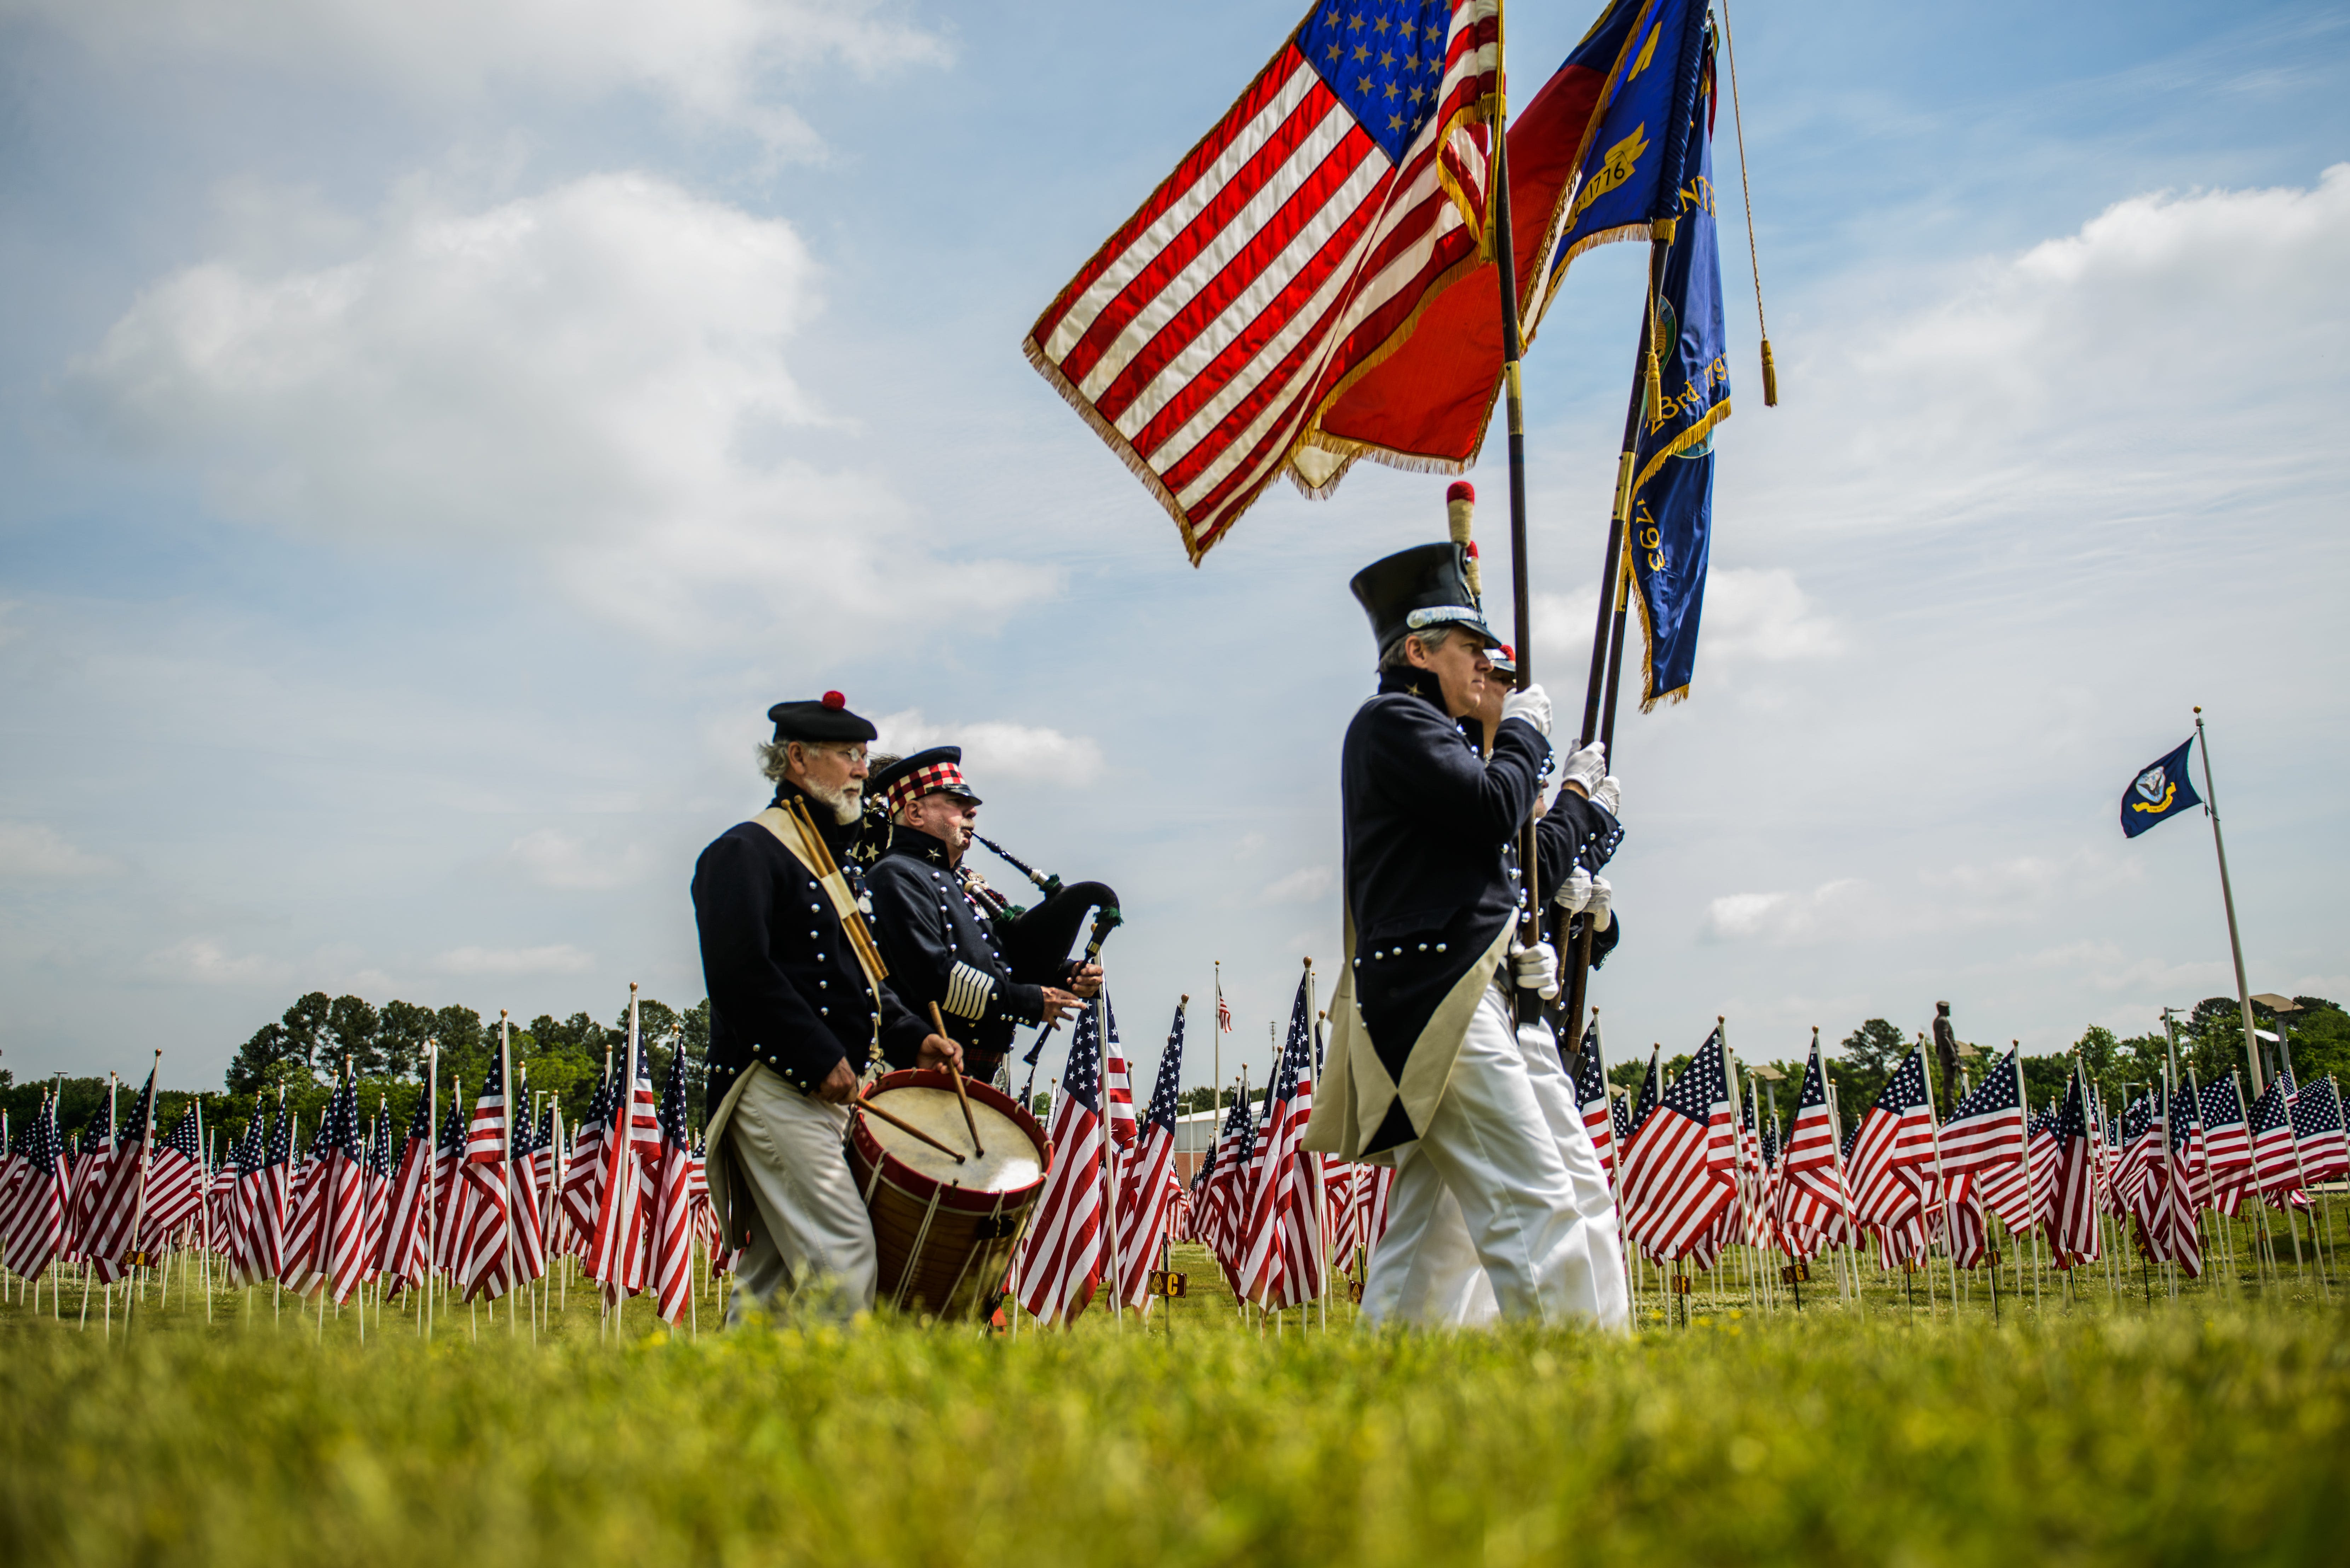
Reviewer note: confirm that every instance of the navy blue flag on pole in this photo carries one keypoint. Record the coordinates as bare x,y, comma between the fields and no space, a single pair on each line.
2159,792
1653,157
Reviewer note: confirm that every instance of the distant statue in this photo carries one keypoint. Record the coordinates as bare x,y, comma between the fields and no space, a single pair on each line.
1945,1056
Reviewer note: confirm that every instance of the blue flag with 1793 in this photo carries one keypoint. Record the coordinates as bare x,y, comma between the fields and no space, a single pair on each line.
2158,793
1672,519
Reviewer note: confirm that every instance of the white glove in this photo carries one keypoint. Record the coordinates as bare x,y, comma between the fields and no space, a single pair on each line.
1575,895
1532,705
1608,796
1587,766
1537,968
1597,909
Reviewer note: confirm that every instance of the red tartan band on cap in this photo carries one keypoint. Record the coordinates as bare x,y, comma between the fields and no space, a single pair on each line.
925,781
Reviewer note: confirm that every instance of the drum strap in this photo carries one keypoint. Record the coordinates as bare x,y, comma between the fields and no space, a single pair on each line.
796,832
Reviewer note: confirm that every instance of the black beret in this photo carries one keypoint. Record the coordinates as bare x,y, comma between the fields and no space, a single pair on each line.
825,719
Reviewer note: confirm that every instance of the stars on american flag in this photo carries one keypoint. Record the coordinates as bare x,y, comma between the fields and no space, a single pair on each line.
1385,61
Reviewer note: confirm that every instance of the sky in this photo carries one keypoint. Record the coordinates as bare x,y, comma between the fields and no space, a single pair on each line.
436,433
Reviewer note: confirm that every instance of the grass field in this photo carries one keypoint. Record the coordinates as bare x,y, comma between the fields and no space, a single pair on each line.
2103,1430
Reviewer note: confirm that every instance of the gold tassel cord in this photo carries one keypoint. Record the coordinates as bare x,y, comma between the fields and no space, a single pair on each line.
1746,195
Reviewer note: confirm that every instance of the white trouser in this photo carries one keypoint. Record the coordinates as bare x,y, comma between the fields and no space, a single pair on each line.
1501,1208
811,1247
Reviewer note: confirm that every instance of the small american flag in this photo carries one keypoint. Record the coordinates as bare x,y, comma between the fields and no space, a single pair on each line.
2317,1129
617,1245
673,1207
1897,1139
403,1257
1680,1169
1119,1086
1591,1097
583,1180
2276,1155
1223,1010
342,1255
1294,245
175,1180
2072,1230
448,1158
1281,1251
111,1231
482,1242
35,1228
1147,1201
1061,1259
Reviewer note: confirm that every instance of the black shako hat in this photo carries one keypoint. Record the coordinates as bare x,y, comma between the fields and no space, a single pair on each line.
938,771
1416,589
826,718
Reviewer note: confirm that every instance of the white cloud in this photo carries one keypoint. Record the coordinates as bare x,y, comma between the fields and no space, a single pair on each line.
713,60
2160,356
32,851
1302,885
596,373
1788,919
551,859
993,749
1763,614
558,957
205,961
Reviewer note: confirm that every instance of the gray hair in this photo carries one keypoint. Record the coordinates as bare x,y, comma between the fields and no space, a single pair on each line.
1431,639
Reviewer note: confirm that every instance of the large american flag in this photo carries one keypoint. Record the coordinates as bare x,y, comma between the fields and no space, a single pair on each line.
1289,250
2072,1227
1679,1170
1060,1259
1146,1205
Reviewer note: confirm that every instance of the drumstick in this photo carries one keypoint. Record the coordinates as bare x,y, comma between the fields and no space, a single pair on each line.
903,1126
941,1024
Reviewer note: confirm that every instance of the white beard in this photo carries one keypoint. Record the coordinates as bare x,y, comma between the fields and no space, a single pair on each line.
847,803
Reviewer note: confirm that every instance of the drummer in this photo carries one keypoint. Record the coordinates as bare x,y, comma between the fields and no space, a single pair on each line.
798,1006
940,942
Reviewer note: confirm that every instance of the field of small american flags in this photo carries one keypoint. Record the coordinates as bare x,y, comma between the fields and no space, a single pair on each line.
2098,1427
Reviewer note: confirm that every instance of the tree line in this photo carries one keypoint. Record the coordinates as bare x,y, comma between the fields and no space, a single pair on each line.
302,1053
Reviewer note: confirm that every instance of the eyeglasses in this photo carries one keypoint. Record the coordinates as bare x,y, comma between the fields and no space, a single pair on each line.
836,748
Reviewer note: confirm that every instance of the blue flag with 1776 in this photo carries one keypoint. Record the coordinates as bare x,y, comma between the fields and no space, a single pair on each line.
2158,793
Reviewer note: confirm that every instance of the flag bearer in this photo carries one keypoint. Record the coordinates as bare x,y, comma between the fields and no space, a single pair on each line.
798,1006
1427,1068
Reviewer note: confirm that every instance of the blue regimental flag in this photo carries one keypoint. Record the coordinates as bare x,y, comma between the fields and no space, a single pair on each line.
1671,519
1654,53
2159,792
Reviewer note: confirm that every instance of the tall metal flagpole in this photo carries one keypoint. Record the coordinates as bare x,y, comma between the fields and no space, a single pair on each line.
2228,897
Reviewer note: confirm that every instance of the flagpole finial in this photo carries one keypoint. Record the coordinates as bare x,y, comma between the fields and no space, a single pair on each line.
632,988
1184,1000
1309,964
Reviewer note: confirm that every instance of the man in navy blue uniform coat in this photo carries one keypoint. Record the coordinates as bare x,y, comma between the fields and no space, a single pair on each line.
1428,1070
799,1007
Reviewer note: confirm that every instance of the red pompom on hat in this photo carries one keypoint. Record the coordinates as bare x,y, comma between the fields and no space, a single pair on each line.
1461,490
834,701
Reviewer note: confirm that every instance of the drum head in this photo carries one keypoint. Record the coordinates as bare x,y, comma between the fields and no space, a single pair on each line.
1012,1162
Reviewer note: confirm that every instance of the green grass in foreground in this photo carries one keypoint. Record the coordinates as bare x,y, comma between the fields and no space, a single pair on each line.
2189,1434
